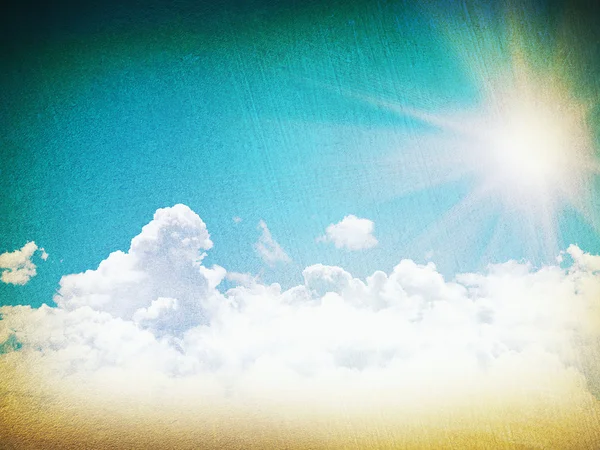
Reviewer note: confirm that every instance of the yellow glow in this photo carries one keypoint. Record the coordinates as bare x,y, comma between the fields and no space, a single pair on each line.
529,147
532,144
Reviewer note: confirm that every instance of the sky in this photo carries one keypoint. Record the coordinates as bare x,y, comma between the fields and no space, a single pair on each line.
304,210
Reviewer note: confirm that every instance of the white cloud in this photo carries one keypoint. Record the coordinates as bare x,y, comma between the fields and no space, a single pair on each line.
44,254
404,338
242,279
237,219
17,267
268,249
163,261
590,262
352,233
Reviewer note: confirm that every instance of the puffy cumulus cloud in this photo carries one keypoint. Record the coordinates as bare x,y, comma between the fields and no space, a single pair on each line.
268,248
159,282
17,266
352,233
589,262
151,320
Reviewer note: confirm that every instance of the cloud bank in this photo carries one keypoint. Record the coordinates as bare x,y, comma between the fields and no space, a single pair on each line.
152,319
351,233
17,266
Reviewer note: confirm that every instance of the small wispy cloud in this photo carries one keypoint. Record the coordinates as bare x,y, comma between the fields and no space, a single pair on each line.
267,248
17,266
352,233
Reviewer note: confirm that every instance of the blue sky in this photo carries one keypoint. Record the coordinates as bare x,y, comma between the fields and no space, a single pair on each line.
253,113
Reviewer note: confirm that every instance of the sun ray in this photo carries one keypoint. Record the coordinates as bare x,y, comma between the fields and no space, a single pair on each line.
453,219
495,242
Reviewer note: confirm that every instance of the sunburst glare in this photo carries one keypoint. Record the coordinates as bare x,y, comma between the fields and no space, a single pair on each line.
528,147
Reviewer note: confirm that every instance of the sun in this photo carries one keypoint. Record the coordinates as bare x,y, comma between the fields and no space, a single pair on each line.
528,149
531,142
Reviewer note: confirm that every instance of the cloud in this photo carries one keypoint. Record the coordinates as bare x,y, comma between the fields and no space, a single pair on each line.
268,249
17,267
352,233
585,260
163,262
152,320
237,219
243,279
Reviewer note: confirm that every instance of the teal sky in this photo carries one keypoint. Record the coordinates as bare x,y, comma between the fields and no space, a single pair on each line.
252,112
